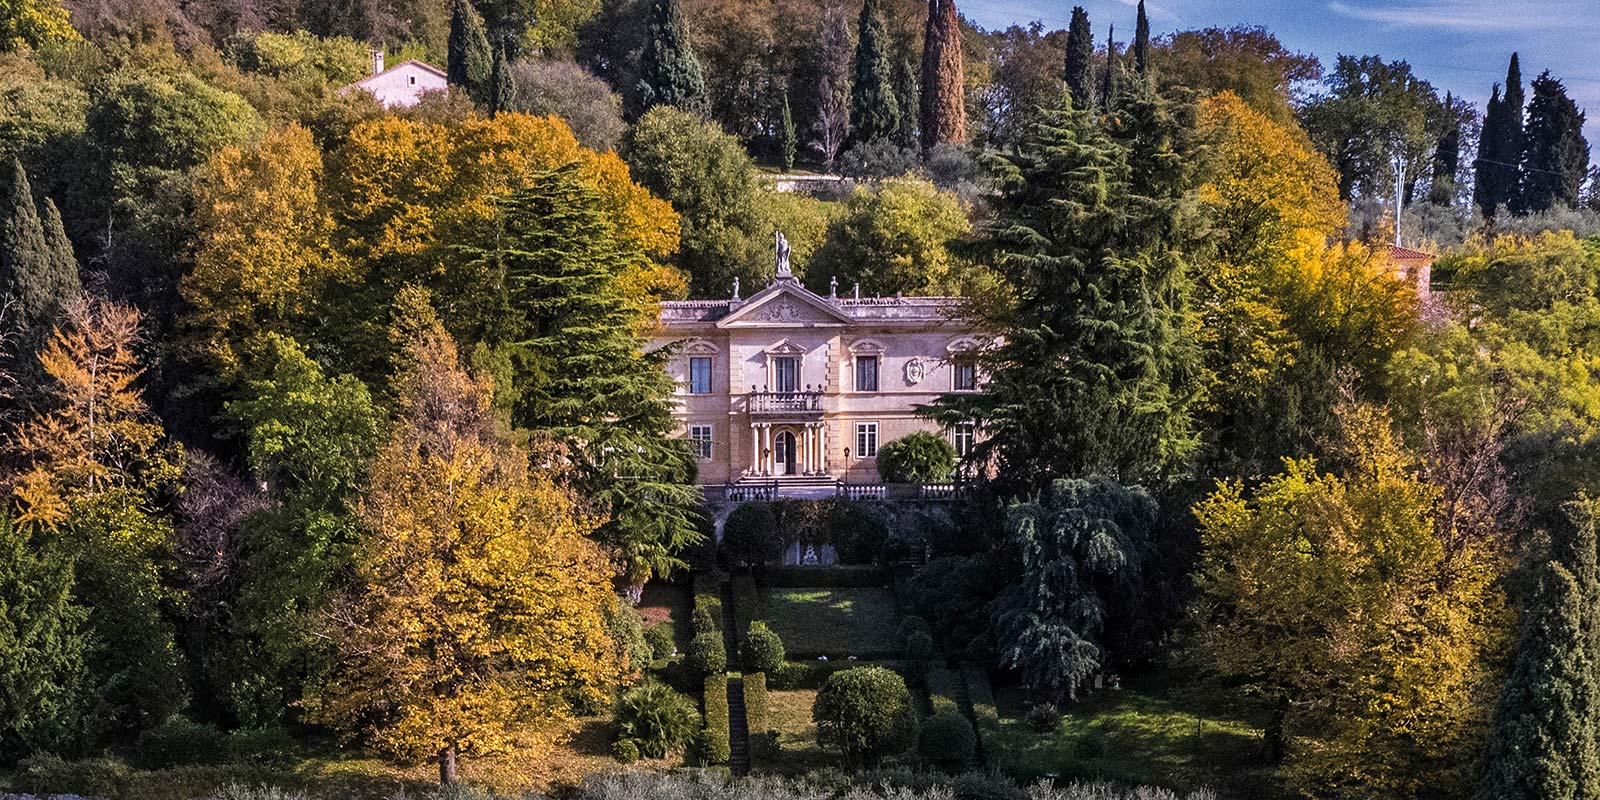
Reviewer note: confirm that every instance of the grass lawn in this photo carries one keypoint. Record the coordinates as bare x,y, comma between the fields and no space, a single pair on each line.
663,602
1158,729
790,715
828,622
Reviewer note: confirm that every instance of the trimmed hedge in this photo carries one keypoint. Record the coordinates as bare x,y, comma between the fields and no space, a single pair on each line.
180,741
763,739
837,577
942,689
761,650
662,638
813,674
714,740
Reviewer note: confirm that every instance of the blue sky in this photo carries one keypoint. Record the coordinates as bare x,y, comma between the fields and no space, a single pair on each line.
1457,45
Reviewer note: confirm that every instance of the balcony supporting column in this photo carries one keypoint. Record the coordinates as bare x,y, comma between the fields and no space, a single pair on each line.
753,464
822,443
803,441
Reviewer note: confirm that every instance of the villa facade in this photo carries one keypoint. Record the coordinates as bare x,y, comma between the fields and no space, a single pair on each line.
795,387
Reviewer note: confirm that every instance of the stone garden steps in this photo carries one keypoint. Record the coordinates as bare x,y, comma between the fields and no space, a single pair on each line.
738,724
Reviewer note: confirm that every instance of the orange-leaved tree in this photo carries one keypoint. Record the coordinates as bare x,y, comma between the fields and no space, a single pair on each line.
478,610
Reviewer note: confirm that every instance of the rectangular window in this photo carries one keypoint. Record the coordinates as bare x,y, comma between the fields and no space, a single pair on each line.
963,437
700,375
966,376
867,374
700,439
786,374
866,440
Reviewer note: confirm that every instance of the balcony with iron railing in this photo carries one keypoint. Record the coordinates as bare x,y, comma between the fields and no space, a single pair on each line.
807,402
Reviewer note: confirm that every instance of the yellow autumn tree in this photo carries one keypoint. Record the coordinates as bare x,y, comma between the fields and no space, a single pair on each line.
94,432
263,245
1368,629
34,24
478,610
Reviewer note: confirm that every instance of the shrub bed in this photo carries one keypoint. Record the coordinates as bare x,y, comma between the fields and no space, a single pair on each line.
180,741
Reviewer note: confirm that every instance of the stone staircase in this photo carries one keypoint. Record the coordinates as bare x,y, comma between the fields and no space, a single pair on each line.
963,698
738,723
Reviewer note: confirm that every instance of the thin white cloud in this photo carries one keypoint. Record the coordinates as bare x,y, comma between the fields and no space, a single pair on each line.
1155,11
1470,16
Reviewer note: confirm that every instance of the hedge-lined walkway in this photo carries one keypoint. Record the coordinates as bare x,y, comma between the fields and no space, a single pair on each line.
738,725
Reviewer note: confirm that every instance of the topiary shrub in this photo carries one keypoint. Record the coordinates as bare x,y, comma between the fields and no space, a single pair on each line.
750,537
919,647
1044,718
627,632
178,741
707,655
662,640
864,714
762,650
656,719
947,739
921,457
707,616
909,625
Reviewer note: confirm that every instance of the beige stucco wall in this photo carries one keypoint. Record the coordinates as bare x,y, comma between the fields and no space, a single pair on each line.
740,359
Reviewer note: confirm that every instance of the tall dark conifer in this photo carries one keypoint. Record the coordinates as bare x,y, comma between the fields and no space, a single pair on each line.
469,57
1483,186
1096,369
874,111
943,116
1446,156
501,85
669,73
1555,156
41,638
1141,43
1108,79
38,274
1543,745
581,371
1500,153
1079,72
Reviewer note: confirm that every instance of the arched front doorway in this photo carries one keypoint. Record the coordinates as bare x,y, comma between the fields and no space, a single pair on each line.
783,453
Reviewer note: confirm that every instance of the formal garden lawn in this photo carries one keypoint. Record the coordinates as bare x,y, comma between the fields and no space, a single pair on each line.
836,623
1158,729
789,713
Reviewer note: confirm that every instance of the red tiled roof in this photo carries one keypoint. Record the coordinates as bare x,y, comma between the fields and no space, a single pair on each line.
1406,253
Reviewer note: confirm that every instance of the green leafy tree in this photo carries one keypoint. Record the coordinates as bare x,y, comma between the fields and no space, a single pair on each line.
750,535
508,22
1248,61
874,109
895,238
1095,372
41,639
1083,545
1555,156
1447,154
917,457
1079,70
669,73
1543,744
711,182
1500,147
470,60
581,373
563,88
1370,110
864,714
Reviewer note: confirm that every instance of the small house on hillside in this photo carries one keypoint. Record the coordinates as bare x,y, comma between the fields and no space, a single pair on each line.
1412,266
402,85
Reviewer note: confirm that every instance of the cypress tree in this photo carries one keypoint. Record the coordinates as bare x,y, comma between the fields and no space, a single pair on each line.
1555,155
41,639
1446,156
1543,744
1108,81
874,111
469,59
502,87
1080,59
1500,153
943,116
38,274
1488,140
1094,371
1141,43
791,138
582,375
669,73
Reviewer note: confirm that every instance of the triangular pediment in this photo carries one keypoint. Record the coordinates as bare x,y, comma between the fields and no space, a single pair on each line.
785,303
